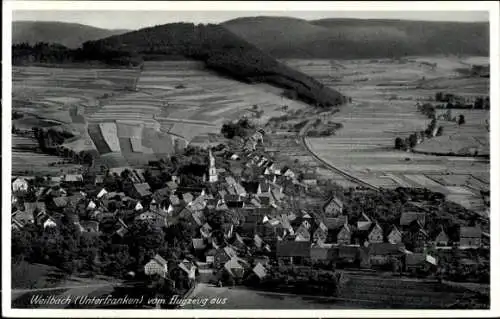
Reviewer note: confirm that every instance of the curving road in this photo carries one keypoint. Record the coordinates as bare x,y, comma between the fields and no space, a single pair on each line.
354,179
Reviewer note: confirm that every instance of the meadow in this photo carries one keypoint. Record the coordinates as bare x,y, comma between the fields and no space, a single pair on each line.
132,116
384,96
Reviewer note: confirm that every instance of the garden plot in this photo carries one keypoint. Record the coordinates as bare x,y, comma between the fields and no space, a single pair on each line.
110,134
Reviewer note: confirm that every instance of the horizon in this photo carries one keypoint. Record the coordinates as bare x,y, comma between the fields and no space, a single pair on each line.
131,20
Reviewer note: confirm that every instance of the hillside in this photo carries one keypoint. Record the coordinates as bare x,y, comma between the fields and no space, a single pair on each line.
355,38
220,49
71,35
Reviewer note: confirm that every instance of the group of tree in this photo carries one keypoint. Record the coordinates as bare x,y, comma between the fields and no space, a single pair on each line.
459,102
219,48
418,137
242,128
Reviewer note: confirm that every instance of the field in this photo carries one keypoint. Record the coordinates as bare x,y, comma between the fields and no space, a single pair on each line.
28,160
132,116
384,96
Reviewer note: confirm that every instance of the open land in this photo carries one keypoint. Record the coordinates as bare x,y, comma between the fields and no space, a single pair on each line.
131,116
384,96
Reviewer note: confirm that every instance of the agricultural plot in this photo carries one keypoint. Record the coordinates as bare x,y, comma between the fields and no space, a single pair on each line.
384,94
110,134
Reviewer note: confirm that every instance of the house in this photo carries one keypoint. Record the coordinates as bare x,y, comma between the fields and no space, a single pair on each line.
48,221
73,179
286,171
22,218
234,267
19,184
408,217
91,205
174,200
156,266
343,235
320,235
416,235
364,222
380,254
293,251
60,202
335,222
259,271
223,255
199,243
470,237
346,254
321,253
333,208
99,179
375,234
442,238
187,198
302,233
395,236
102,193
138,206
140,190
419,262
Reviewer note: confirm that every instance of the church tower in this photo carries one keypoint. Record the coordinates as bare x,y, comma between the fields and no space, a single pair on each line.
212,171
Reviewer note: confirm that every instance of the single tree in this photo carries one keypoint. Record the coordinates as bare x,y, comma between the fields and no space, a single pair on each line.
461,119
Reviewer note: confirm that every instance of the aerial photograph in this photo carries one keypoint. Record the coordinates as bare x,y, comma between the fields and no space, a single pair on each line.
250,160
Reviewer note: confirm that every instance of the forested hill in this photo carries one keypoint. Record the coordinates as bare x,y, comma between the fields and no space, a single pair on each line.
221,50
71,35
284,37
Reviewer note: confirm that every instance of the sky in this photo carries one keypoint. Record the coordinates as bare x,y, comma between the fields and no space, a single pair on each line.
140,19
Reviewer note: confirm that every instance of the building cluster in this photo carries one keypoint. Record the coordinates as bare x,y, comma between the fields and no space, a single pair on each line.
259,230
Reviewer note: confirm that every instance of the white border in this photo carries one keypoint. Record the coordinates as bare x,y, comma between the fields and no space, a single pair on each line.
9,5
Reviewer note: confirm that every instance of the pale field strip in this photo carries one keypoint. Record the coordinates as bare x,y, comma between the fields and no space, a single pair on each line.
129,129
422,181
109,133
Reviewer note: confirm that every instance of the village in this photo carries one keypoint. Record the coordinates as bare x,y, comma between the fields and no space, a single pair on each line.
243,220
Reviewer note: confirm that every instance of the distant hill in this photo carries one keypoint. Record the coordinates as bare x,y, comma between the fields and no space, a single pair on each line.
220,49
284,37
71,35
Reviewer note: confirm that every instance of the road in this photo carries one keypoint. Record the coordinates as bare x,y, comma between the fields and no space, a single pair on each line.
305,143
242,298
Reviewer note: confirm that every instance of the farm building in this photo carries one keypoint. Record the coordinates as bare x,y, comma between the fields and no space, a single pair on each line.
395,236
470,237
140,190
293,251
333,207
73,179
19,184
442,238
408,217
156,266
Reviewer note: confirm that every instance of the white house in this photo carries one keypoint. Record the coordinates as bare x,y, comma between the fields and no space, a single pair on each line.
156,266
102,193
19,185
49,223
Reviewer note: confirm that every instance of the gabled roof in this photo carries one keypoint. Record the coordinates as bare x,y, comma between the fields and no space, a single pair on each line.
260,271
198,243
187,197
408,217
143,189
60,201
470,232
386,248
293,248
174,200
31,207
160,260
334,223
73,178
